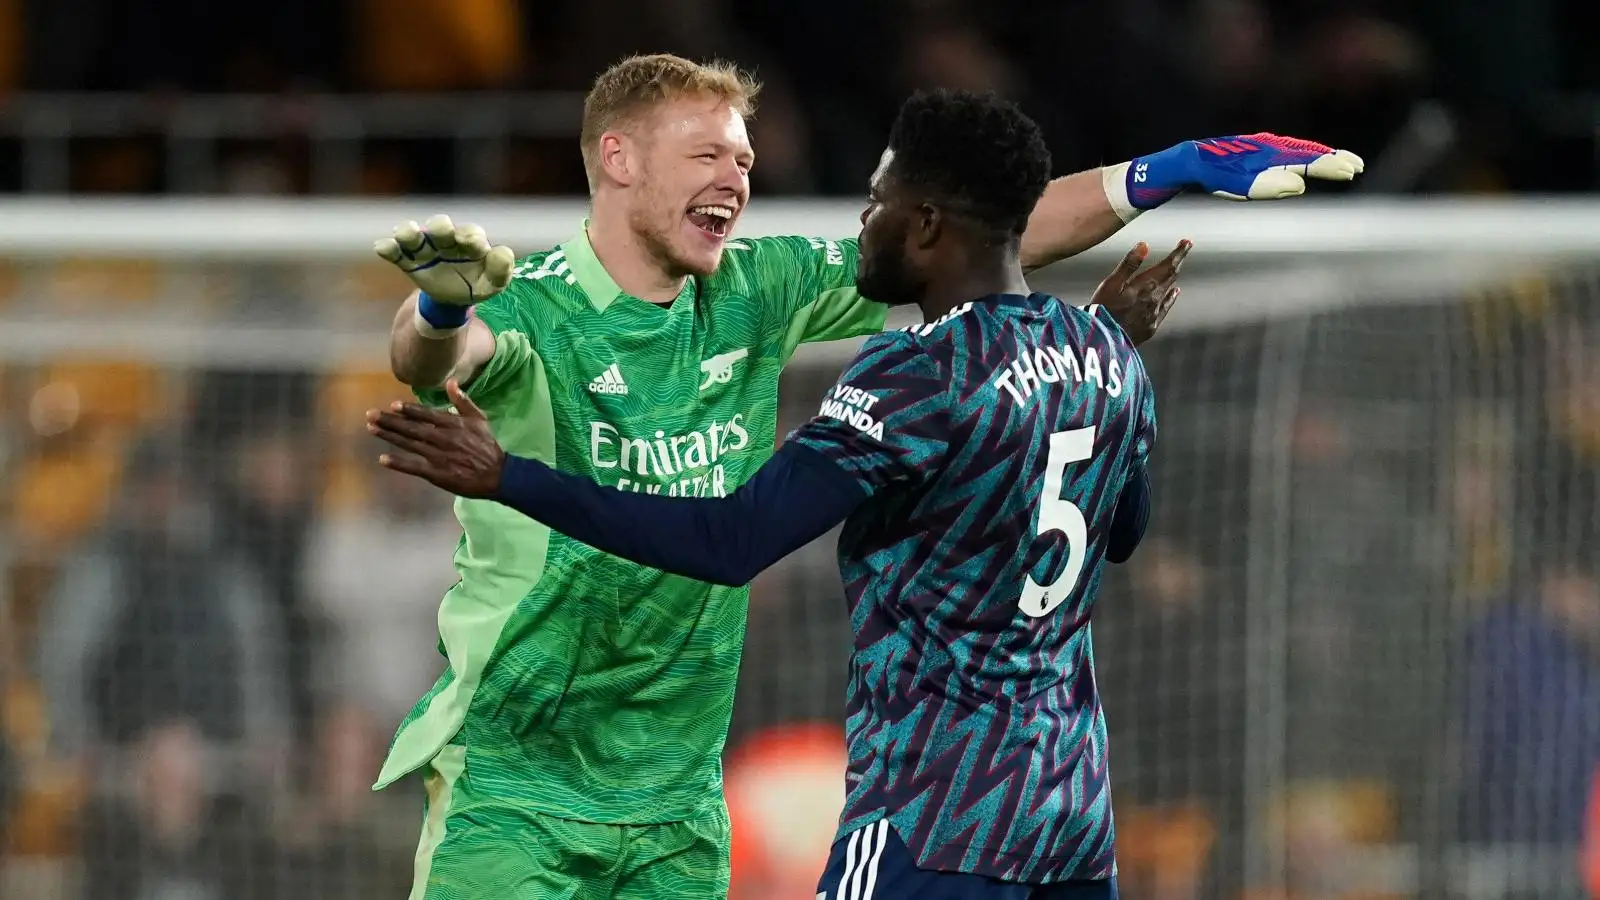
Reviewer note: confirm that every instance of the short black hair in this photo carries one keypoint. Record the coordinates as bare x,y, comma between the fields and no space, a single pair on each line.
976,152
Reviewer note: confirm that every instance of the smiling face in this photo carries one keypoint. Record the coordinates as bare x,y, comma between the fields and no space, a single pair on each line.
691,159
666,151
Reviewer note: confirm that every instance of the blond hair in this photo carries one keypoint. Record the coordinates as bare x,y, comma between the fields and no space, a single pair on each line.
639,84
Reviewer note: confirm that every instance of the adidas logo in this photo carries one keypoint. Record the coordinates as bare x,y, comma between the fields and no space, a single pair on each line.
609,382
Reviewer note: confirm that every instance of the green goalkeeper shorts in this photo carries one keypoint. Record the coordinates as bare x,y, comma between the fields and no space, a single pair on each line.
477,847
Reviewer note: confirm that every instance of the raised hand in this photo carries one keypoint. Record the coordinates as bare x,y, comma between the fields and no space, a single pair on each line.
1140,301
451,264
1261,166
454,451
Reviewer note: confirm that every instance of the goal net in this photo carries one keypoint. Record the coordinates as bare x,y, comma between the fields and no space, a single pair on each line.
1358,655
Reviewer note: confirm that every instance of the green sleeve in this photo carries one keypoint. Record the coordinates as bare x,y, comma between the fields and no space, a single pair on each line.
815,280
493,386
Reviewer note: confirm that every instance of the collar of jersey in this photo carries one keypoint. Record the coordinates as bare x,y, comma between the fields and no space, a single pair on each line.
1032,299
596,282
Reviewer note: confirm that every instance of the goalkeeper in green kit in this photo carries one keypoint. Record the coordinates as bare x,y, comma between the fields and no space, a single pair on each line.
572,747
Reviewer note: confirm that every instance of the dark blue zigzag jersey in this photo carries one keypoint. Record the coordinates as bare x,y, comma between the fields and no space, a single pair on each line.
994,444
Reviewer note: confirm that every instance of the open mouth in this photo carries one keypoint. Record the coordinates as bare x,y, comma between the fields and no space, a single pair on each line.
713,220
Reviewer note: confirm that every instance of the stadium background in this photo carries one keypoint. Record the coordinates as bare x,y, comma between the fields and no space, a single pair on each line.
1359,657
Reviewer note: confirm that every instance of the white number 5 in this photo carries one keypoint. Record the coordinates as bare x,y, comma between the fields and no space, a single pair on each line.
1056,514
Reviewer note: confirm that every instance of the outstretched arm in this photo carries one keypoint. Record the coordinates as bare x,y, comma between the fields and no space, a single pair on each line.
795,497
1073,215
1079,211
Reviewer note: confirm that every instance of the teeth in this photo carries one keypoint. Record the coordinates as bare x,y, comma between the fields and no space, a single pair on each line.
721,212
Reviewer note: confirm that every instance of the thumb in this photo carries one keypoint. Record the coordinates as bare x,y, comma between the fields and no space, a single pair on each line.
1277,184
497,266
463,404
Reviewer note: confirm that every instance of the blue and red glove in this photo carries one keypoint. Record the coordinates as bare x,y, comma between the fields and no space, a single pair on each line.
1259,166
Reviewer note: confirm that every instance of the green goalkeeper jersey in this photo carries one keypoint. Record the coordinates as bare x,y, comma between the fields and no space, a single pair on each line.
581,684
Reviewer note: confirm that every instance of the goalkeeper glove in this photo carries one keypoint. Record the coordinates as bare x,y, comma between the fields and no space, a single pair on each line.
1259,166
453,268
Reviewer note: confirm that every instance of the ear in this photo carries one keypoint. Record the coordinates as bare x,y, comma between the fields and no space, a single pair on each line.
619,159
930,225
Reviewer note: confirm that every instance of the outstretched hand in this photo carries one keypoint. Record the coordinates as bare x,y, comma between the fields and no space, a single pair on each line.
453,264
1140,301
1261,166
455,451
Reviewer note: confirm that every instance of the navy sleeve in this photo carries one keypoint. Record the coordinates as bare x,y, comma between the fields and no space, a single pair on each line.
1131,517
794,499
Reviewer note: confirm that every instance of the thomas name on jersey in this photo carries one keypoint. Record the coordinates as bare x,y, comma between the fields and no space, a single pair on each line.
1020,377
1023,376
686,465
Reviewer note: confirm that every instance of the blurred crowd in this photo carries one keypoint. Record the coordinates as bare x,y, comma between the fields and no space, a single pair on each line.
1418,600
1435,94
219,614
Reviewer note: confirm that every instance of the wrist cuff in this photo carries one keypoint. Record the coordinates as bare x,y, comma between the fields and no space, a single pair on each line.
438,320
1115,181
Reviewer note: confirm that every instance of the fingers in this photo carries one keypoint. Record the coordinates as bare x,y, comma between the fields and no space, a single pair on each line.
1135,258
421,423
401,432
416,421
407,464
426,415
405,242
1167,301
408,235
471,241
1130,263
463,404
1281,182
466,240
1167,269
497,266
1179,253
442,236
442,232
399,441
1340,165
